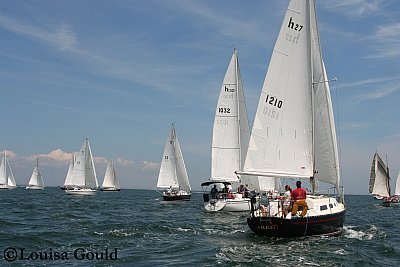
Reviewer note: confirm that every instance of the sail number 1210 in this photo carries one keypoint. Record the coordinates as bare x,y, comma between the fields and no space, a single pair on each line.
272,100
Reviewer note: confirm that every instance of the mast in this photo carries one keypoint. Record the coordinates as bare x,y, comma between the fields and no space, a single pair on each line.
309,41
238,109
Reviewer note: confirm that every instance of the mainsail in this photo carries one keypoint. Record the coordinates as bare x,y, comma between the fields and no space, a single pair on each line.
231,130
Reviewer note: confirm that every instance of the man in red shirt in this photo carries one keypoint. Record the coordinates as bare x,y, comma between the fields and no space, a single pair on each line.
299,199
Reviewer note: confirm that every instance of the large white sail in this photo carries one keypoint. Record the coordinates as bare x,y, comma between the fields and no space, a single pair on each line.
325,151
231,130
110,177
84,173
36,177
379,182
281,142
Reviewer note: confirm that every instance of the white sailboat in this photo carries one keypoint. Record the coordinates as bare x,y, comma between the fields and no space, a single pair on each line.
229,144
173,178
83,177
110,182
7,180
36,181
379,181
294,134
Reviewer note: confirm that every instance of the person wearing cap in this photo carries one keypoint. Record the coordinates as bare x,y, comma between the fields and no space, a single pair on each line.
298,196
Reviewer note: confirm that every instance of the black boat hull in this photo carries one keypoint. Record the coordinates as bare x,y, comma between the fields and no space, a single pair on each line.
307,226
176,197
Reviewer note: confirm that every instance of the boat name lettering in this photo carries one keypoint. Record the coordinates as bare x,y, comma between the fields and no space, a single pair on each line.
229,90
294,26
274,101
224,110
269,227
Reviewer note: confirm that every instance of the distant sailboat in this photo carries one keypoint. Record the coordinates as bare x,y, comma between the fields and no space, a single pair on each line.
173,178
229,144
7,180
83,178
379,181
36,181
110,182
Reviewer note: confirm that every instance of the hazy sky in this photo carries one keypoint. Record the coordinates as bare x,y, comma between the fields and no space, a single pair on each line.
120,72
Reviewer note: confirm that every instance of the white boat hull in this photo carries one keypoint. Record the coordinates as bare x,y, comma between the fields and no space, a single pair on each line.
110,189
4,186
233,205
80,191
33,187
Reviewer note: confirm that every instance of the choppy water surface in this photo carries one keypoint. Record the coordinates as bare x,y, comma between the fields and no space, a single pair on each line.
139,229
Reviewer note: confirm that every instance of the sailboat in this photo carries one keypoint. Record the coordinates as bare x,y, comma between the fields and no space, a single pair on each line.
7,180
173,178
294,134
36,181
379,181
110,182
229,144
83,180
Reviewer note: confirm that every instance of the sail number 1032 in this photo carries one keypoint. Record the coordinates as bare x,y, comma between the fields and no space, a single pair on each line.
272,100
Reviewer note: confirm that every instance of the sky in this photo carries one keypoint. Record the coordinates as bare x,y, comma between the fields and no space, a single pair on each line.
120,72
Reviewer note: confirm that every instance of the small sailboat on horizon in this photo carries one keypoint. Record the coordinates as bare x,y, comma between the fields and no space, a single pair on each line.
110,182
83,180
36,180
173,178
7,180
379,181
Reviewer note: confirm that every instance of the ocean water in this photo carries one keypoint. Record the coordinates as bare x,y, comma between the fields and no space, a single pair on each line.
136,228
